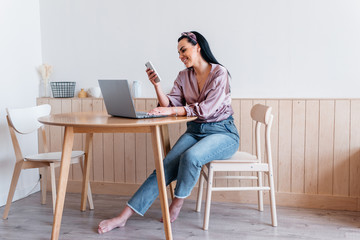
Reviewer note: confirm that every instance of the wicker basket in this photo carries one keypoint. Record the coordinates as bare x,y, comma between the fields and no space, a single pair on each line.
63,89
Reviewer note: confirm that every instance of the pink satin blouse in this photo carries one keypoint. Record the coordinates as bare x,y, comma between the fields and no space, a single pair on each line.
212,104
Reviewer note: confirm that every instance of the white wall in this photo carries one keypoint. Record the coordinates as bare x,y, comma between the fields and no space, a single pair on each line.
20,54
273,48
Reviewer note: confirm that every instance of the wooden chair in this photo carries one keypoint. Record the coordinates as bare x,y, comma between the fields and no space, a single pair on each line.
243,162
24,121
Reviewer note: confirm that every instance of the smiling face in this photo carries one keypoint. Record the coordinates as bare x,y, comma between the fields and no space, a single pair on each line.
188,53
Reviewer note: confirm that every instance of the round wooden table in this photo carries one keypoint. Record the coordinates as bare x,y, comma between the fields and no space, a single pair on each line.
92,122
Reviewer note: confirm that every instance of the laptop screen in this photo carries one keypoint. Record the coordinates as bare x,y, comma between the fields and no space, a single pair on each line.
117,98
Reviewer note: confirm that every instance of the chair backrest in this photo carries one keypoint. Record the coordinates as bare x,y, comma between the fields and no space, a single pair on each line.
25,120
261,114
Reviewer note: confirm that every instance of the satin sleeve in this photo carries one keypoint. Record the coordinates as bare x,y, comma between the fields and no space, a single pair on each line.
176,95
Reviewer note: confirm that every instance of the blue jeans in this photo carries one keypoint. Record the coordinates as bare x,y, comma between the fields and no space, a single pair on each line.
200,144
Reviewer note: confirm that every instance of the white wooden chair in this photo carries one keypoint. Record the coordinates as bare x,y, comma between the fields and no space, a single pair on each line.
243,162
24,121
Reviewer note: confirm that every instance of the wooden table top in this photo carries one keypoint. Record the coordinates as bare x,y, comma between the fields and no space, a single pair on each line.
94,119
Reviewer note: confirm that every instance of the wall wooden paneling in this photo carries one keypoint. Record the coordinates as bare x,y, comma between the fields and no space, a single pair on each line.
315,144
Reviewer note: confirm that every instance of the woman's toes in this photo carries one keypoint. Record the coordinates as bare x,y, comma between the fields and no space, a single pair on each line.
103,226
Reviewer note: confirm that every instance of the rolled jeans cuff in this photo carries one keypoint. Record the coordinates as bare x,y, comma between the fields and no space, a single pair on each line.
132,208
181,197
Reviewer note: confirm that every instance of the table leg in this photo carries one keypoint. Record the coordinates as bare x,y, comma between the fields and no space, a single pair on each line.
166,147
86,171
160,175
64,174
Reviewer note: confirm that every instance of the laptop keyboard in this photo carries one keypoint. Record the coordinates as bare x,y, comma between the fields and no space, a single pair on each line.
145,115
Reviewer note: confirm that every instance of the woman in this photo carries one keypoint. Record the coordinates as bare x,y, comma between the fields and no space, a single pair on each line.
201,90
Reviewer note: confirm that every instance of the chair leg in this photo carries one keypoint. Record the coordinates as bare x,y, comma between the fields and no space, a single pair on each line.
43,182
89,194
200,191
260,193
90,199
14,181
171,188
53,184
208,197
272,200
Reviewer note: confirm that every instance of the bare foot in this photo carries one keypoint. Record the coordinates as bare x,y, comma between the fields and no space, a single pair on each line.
119,221
110,224
175,208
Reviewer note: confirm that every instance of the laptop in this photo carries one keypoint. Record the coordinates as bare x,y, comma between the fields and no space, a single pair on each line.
118,100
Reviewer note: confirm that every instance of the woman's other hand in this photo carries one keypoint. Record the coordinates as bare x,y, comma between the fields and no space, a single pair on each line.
161,111
152,76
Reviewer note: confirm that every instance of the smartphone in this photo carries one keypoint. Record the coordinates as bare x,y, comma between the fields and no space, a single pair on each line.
151,66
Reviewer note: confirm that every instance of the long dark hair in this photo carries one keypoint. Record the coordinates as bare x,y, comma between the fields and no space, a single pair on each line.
204,45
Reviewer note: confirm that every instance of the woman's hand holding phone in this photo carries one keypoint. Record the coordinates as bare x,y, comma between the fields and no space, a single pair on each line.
152,77
155,80
152,74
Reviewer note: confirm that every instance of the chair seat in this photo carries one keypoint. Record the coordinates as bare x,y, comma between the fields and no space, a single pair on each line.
239,157
51,156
